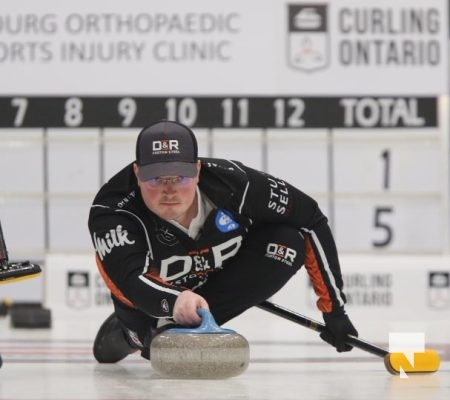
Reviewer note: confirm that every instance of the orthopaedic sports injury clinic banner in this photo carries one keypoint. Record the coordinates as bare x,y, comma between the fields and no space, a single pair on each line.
207,47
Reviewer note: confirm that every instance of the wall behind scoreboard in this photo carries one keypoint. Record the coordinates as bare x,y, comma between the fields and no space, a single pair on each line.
348,100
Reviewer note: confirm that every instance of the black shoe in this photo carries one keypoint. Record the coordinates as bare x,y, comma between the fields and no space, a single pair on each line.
110,344
1,361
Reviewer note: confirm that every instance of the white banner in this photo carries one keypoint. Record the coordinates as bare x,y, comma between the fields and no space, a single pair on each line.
74,287
384,288
344,47
389,288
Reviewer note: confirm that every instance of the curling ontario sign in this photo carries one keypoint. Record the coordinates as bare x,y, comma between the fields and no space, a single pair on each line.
338,47
365,35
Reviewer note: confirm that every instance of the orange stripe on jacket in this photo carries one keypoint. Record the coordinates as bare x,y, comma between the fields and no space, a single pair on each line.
111,286
312,266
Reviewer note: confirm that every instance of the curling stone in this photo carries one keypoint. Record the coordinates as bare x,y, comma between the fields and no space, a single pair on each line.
206,352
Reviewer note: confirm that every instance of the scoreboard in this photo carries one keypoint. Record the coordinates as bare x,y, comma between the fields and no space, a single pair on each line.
347,101
377,165
220,111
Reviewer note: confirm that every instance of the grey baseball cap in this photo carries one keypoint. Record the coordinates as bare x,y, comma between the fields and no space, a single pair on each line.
166,148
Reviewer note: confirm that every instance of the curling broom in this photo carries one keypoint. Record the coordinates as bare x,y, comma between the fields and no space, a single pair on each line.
14,271
425,362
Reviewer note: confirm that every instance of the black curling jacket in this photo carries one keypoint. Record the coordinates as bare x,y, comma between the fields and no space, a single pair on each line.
146,261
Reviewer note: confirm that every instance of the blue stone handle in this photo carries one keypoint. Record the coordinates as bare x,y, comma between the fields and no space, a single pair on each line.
208,325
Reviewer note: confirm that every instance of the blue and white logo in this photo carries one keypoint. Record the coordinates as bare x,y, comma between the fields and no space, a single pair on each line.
225,221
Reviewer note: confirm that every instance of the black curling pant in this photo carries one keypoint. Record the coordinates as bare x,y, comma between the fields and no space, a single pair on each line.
268,258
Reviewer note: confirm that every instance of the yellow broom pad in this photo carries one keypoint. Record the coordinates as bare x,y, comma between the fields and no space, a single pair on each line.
425,362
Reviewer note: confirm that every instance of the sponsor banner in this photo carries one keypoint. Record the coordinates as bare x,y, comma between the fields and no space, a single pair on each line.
203,47
73,287
387,288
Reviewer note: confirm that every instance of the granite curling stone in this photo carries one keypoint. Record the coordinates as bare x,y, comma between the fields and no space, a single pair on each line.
206,352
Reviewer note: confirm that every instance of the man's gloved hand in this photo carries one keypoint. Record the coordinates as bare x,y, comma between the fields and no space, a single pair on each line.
338,326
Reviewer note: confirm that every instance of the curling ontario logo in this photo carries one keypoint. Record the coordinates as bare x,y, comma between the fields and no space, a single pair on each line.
439,289
78,294
308,39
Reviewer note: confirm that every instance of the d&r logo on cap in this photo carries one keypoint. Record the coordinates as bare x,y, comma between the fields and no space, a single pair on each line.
166,146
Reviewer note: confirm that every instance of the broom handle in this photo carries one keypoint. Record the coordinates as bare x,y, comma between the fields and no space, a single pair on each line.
319,327
3,251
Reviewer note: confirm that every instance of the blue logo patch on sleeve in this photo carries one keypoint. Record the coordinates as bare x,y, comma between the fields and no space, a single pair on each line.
225,221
